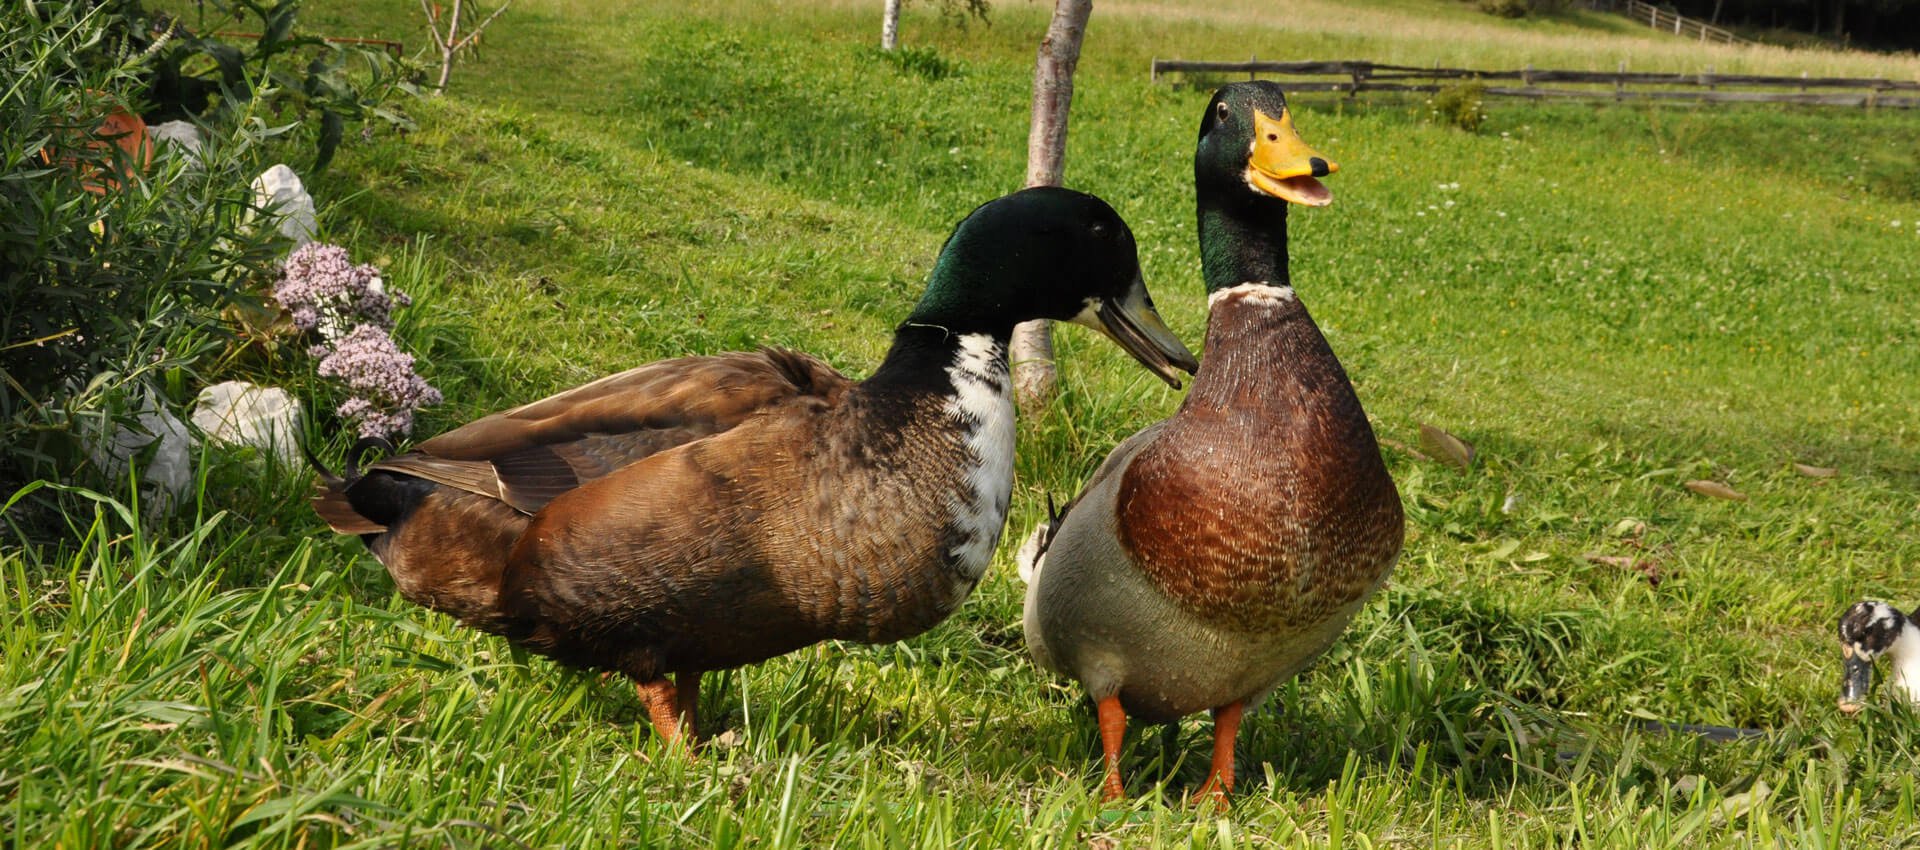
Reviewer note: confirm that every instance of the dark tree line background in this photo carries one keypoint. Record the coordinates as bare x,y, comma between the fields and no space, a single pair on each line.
1880,24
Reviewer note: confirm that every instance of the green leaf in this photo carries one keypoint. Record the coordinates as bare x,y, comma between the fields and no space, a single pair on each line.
332,129
231,61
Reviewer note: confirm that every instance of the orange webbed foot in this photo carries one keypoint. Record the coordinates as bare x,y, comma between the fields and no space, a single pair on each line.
1226,730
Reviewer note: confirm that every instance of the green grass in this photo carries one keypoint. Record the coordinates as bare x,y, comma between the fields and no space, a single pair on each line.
1611,301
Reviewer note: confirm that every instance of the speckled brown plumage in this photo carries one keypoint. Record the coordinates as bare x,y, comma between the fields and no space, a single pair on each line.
1264,503
754,512
703,513
771,531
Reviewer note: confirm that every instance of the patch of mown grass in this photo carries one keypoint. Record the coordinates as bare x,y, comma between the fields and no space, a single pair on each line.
1607,301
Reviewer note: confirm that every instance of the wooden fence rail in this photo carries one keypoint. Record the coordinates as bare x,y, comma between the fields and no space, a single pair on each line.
1708,87
1666,21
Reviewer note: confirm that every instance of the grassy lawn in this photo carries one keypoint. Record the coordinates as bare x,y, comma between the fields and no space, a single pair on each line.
1607,301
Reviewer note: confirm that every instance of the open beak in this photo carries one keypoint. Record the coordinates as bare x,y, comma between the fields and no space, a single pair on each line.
1282,165
1131,321
1859,678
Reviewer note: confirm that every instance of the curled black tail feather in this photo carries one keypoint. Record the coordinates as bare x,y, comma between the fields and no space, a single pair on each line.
313,460
1033,553
335,500
355,455
1052,526
358,452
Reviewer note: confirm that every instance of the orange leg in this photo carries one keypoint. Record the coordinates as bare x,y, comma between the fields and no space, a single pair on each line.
686,704
671,708
1226,729
1113,730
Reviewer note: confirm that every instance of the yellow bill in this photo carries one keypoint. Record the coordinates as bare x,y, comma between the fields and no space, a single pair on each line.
1282,165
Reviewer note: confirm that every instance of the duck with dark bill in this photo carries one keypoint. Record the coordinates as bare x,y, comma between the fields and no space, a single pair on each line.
703,513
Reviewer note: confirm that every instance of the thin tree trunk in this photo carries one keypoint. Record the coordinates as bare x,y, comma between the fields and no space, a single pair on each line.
453,42
1032,354
890,26
1053,91
1716,11
447,46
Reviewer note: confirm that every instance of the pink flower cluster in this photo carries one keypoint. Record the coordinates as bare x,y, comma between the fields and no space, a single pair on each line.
326,292
386,391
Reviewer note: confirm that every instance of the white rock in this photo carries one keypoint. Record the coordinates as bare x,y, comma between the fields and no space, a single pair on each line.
159,442
278,191
244,414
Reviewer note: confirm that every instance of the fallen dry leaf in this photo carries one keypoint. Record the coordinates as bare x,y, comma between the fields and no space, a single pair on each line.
1716,489
1815,471
1447,447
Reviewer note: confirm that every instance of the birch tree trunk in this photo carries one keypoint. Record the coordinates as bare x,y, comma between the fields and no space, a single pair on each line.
1032,347
890,26
453,42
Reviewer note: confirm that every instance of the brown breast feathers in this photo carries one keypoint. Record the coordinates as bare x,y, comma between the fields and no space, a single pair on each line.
1264,504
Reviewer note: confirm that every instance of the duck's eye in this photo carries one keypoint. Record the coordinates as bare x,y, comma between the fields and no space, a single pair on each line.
1221,110
1099,231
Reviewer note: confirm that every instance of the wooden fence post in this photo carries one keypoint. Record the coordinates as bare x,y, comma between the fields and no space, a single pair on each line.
1356,75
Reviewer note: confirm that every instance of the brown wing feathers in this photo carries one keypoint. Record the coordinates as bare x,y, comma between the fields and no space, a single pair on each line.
531,454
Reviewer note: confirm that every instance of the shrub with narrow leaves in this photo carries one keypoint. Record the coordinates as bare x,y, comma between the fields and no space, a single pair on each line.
110,296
